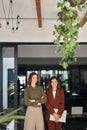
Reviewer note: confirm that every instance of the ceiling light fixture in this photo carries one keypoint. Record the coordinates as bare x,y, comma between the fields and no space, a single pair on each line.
10,20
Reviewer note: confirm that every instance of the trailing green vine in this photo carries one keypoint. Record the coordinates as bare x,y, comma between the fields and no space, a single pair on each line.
67,28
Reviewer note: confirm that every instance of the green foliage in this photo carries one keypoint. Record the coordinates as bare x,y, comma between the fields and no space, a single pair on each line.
10,116
67,29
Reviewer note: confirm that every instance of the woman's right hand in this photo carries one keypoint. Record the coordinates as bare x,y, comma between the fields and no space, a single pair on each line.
39,104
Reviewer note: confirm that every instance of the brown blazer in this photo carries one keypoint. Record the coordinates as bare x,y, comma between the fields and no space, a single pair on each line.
51,103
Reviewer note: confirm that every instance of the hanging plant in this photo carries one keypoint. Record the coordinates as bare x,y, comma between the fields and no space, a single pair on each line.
7,117
64,17
67,29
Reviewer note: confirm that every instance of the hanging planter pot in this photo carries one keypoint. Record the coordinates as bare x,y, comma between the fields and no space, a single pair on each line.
74,3
67,15
82,2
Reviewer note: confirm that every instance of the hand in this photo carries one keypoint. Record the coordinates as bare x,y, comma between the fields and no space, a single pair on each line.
32,100
56,117
42,97
39,104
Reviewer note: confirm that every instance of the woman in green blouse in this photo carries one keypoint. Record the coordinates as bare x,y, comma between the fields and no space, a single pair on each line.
34,96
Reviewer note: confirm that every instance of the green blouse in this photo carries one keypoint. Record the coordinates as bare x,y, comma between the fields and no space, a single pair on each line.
36,94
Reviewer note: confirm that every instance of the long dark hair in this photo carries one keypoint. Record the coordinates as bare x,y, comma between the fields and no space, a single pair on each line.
49,84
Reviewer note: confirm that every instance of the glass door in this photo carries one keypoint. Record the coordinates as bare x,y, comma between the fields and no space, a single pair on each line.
9,85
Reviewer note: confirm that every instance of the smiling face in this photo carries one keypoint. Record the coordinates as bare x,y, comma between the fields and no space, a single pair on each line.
34,80
54,84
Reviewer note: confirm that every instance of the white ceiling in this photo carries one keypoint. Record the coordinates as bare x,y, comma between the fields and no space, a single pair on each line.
28,30
27,9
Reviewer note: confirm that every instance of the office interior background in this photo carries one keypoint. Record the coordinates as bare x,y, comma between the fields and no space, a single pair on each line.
31,48
18,61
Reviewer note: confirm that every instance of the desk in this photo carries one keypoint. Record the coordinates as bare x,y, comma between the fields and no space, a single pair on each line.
76,122
82,116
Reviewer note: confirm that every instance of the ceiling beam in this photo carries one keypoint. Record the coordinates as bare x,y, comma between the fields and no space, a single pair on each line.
38,8
83,20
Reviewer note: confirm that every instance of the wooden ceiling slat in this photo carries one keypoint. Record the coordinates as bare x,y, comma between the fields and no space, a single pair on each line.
83,20
38,8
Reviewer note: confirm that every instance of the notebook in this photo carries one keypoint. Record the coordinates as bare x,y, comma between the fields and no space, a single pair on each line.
63,117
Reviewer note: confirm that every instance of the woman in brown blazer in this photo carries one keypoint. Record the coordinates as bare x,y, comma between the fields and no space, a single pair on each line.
55,100
34,97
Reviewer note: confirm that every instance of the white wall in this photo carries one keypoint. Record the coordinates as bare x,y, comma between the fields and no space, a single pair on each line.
29,32
46,51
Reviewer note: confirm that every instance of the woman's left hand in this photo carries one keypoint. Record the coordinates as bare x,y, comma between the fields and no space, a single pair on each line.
32,100
56,117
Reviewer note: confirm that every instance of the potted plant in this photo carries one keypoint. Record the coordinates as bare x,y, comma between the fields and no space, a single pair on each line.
13,115
67,29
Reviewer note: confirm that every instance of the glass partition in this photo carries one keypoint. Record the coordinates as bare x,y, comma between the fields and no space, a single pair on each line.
8,77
